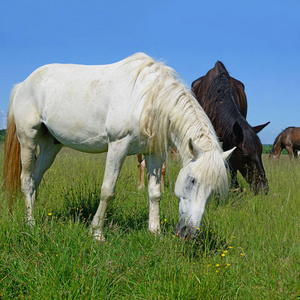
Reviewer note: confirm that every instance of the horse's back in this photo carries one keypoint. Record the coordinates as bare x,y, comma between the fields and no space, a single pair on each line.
81,106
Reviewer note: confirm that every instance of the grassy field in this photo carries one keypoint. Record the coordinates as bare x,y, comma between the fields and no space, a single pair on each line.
248,247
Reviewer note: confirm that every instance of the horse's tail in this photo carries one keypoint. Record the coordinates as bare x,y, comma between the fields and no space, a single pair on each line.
12,156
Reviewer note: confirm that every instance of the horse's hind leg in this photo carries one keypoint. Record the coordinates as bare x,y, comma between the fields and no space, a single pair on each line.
27,138
33,169
48,149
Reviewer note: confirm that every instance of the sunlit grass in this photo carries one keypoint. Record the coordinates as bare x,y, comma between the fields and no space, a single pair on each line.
248,246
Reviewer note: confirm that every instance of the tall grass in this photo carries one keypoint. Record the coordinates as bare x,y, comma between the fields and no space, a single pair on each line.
248,246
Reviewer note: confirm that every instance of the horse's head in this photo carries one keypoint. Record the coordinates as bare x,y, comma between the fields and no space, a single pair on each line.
274,154
194,188
248,157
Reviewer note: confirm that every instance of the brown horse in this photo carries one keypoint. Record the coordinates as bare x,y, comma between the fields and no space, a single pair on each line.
288,139
224,100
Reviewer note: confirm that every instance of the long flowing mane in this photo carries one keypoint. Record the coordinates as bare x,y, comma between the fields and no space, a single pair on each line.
170,109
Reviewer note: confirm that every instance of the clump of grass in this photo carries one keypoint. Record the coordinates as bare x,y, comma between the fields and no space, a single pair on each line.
247,248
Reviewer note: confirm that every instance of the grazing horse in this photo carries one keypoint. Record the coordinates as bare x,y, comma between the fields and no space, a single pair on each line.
135,106
224,100
289,139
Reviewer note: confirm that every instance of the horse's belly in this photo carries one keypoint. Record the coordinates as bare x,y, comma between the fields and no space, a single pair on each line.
80,138
96,147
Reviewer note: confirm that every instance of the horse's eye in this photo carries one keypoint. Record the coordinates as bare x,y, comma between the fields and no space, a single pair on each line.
192,181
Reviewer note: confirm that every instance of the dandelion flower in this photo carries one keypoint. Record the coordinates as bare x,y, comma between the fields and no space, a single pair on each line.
230,247
225,251
217,271
242,254
49,214
217,265
228,265
165,220
223,255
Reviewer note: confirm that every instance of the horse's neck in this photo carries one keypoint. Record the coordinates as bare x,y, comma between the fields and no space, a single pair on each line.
277,147
227,134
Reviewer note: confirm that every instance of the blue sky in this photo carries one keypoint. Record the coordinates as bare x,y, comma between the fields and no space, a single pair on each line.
258,41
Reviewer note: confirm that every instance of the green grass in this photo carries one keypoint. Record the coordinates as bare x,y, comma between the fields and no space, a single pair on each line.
57,259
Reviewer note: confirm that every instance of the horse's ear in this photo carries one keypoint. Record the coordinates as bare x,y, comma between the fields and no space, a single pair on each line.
258,128
227,154
195,150
238,132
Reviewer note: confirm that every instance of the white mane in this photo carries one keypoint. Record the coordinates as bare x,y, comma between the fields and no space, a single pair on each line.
171,111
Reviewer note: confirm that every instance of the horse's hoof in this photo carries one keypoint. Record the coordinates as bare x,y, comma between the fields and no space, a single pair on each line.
31,222
98,235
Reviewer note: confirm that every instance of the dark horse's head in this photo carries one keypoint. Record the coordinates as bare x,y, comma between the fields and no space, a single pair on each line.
224,100
247,157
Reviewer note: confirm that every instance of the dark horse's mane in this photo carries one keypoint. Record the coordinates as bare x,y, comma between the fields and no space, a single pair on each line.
218,92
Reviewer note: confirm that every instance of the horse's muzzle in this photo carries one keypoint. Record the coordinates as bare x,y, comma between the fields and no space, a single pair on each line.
186,231
261,186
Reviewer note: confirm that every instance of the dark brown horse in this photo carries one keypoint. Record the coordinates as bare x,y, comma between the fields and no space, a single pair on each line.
288,139
224,100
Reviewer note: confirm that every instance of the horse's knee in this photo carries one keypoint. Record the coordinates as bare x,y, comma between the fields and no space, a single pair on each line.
27,184
107,194
154,193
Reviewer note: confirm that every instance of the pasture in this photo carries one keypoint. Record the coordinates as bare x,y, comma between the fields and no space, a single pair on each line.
249,246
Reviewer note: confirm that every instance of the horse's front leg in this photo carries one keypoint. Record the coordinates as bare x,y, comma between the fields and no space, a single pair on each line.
234,183
154,168
117,152
295,153
290,151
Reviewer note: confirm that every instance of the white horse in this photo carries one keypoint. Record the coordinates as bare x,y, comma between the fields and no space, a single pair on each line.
135,106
